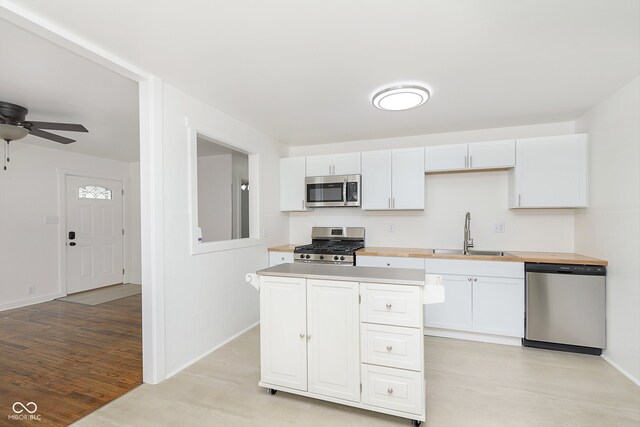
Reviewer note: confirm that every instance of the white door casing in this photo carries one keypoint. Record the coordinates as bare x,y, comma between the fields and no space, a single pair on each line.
94,257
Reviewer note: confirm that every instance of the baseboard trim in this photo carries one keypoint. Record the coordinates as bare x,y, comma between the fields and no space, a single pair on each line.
636,381
29,301
473,336
208,352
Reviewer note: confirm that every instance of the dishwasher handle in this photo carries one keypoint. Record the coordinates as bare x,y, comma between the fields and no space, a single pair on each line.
583,270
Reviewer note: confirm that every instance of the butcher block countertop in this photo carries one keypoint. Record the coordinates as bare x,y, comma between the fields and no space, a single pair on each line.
516,256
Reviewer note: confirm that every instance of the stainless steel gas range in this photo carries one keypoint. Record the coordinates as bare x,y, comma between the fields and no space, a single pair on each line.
331,245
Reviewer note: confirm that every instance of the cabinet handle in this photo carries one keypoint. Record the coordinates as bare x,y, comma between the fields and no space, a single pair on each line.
475,279
390,390
470,161
389,203
302,335
466,161
519,199
389,348
388,306
282,258
393,202
468,279
303,204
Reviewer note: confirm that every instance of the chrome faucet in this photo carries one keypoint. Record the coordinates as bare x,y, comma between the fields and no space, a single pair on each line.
468,241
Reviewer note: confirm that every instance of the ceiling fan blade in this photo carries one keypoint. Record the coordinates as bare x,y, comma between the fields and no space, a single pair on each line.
71,127
51,136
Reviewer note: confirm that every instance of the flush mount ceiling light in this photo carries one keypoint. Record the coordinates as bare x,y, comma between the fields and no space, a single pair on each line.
398,98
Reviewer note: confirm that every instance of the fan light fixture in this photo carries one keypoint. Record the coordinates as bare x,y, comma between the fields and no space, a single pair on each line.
398,98
12,132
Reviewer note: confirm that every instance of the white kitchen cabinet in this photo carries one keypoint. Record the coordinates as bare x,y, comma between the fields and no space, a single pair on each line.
332,332
445,157
393,179
455,312
481,297
283,331
550,172
492,154
333,164
389,262
477,155
498,306
276,258
292,186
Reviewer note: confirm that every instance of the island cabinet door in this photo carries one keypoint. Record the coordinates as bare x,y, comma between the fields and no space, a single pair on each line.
283,331
333,335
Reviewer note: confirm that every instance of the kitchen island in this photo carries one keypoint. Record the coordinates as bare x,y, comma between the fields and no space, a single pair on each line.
345,334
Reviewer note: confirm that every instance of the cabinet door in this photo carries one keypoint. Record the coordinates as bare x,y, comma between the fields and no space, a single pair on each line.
292,187
319,165
498,306
455,311
333,332
445,157
551,172
277,258
492,154
407,179
376,180
283,330
346,164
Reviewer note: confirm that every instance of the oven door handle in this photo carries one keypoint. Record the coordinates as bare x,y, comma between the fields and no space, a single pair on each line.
344,191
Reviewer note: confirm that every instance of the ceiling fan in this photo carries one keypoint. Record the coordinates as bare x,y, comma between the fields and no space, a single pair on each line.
13,126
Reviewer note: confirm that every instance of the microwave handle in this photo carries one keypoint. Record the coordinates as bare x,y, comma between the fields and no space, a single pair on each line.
344,191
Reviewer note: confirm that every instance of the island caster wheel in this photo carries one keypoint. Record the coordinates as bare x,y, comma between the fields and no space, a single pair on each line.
415,423
271,391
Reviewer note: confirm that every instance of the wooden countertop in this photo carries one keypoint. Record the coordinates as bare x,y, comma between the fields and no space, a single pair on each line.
515,256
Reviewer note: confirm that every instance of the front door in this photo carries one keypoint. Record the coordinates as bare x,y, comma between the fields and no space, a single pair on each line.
94,233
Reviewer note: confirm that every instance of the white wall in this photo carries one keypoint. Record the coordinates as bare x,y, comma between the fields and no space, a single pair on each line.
214,197
206,298
29,248
610,227
448,197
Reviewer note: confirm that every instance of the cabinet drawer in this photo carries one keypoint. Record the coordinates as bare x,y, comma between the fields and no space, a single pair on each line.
392,346
391,388
388,261
398,305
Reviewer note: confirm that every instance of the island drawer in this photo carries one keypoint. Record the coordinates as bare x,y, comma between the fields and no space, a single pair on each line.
398,305
391,388
392,346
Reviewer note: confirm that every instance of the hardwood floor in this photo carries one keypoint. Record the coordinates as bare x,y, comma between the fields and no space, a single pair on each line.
69,359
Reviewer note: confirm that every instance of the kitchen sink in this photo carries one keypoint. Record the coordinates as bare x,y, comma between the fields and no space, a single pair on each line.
471,252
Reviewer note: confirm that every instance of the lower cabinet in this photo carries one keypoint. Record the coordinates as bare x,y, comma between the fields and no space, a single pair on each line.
344,342
476,303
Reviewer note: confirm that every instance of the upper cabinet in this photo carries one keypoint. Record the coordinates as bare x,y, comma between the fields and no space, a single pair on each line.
335,164
393,179
479,155
550,172
292,187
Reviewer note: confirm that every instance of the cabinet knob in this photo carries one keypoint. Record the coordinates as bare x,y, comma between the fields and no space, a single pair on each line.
475,279
390,390
308,337
468,279
388,306
389,348
388,264
302,335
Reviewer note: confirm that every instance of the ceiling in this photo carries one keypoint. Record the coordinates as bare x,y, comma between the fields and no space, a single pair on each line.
60,86
304,71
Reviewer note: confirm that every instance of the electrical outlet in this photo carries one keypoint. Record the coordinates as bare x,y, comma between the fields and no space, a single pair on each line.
31,290
392,228
498,227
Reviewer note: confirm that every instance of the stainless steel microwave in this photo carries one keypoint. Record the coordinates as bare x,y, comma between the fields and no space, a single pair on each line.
333,191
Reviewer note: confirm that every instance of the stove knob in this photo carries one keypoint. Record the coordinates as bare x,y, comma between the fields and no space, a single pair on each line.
341,258
321,256
301,256
335,257
307,257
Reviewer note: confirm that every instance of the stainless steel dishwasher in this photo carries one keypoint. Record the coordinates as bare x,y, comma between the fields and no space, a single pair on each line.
565,307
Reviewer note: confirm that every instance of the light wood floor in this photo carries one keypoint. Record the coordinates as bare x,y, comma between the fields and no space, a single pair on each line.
468,384
70,359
